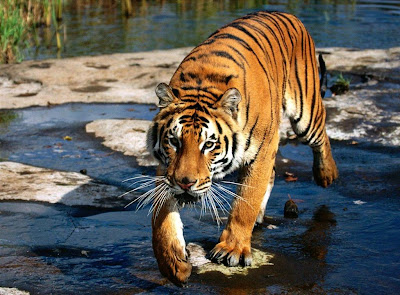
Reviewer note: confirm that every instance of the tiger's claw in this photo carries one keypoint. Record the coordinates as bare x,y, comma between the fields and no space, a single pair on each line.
231,256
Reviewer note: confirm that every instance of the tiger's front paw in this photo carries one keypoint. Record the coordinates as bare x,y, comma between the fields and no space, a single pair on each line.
232,250
173,263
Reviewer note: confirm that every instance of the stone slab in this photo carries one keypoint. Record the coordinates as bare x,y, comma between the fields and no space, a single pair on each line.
28,183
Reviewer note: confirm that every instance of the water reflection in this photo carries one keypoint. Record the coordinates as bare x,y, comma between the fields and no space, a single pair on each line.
100,27
317,238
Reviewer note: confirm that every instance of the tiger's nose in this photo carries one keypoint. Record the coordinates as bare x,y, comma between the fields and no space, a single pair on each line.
186,183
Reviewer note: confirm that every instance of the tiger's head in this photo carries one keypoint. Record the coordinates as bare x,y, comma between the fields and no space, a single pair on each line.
195,140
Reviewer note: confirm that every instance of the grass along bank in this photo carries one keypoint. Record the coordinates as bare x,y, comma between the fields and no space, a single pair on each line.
19,23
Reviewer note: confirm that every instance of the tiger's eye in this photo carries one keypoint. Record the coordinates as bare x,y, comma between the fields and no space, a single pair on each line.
209,144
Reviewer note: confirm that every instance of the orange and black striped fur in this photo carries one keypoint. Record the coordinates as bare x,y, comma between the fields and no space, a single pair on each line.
220,112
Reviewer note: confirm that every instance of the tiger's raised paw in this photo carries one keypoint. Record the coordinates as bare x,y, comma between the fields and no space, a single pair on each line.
174,265
232,253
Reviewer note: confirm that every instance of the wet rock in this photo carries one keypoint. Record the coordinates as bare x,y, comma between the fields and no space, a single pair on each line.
197,257
367,114
291,210
28,183
12,291
373,62
126,136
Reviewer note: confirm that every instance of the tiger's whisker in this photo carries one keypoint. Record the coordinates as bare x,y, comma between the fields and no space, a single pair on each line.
236,183
236,196
221,195
214,209
220,202
158,198
156,193
145,198
142,176
147,184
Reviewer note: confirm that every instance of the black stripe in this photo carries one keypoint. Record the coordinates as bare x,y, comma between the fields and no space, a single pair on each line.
234,145
226,144
288,19
299,84
276,19
154,134
162,130
164,116
248,140
222,161
169,122
204,89
227,167
185,99
218,127
225,54
220,78
246,45
312,108
182,77
204,119
239,27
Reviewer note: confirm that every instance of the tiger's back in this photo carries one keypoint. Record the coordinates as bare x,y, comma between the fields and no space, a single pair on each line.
270,59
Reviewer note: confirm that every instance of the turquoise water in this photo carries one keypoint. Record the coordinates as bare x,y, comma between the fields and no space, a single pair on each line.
99,28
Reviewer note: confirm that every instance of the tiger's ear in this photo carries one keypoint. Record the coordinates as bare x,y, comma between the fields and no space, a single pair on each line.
230,101
165,95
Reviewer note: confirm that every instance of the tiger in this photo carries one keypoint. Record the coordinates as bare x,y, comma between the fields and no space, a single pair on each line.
221,112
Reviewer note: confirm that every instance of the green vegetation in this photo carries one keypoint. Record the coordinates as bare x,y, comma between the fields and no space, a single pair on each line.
341,85
12,30
19,20
6,117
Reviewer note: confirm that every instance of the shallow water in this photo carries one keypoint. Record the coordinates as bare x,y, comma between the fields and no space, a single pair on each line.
99,28
345,240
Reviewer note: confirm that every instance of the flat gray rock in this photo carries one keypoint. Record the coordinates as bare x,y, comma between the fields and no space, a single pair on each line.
12,291
112,78
125,136
28,183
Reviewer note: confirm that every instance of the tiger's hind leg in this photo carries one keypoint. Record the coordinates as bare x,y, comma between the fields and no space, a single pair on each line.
303,105
324,166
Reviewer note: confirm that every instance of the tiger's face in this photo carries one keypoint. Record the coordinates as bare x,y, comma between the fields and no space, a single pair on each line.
195,142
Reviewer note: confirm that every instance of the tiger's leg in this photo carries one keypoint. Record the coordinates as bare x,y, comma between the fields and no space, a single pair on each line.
260,217
303,105
168,243
235,241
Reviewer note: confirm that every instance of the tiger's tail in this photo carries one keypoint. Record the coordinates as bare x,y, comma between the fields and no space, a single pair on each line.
323,79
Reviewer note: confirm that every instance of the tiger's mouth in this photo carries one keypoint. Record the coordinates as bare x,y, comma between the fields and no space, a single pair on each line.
186,198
